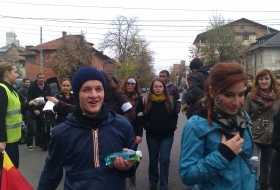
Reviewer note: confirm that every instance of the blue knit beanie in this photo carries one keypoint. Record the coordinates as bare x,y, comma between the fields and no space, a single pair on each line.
84,74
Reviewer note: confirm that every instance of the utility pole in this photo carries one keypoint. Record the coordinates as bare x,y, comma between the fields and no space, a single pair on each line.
41,52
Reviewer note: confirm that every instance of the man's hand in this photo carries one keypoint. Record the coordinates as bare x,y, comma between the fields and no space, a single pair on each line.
235,143
138,139
2,146
37,112
122,164
53,99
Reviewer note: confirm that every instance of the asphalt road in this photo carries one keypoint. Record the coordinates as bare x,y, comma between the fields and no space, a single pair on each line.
32,163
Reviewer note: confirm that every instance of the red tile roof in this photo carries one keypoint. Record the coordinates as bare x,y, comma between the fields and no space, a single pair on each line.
55,43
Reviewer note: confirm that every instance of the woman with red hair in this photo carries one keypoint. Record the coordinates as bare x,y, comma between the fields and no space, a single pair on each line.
130,86
216,144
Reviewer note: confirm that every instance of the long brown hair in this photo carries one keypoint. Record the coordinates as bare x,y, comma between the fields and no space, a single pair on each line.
273,86
5,66
221,77
137,89
111,86
148,100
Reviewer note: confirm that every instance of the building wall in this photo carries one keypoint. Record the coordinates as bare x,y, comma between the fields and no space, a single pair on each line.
268,64
32,69
260,31
11,38
262,59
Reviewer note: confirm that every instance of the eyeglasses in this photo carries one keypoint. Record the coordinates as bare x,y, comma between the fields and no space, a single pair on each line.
130,84
158,87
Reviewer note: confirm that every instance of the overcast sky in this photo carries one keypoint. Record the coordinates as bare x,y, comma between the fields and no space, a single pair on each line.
170,26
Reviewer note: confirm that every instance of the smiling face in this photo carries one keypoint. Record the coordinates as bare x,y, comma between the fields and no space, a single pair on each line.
91,97
158,88
230,100
12,75
26,83
265,83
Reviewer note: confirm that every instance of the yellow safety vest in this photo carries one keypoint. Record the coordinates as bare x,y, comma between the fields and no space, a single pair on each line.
13,116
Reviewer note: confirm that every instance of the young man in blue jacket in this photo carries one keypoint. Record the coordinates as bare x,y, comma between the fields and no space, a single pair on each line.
89,134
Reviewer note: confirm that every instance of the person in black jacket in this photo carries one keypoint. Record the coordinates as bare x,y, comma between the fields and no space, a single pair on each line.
274,181
201,73
22,91
38,88
130,86
116,99
160,122
65,95
172,89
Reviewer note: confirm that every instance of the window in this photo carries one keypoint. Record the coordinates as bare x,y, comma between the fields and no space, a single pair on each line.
241,27
260,60
273,58
245,37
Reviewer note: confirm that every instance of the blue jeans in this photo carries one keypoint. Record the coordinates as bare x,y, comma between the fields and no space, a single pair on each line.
159,150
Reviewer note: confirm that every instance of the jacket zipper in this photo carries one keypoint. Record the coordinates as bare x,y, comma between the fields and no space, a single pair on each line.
96,162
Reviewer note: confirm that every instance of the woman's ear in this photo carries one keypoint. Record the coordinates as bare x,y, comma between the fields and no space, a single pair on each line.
210,90
7,73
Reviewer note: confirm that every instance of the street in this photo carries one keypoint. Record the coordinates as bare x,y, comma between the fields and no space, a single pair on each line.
32,163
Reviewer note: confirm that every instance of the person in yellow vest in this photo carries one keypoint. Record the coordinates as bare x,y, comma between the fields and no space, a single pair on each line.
10,112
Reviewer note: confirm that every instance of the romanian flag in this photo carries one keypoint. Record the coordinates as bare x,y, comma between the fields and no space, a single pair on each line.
11,178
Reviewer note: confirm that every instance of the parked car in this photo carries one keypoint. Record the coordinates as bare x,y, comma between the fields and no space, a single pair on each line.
180,89
143,89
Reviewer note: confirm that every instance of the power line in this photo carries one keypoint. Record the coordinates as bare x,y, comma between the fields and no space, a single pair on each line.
97,28
73,32
138,8
71,21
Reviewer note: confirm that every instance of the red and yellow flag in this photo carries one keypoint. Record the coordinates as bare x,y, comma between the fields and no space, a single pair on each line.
11,177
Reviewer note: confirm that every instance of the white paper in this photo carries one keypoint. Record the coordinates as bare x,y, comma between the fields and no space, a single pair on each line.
255,158
49,105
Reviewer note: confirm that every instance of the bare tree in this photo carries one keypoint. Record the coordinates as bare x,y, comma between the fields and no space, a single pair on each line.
130,50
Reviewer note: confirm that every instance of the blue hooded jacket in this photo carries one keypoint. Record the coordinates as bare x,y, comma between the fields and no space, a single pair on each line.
72,147
202,165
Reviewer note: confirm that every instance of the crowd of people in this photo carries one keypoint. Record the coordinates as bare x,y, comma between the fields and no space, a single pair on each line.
230,139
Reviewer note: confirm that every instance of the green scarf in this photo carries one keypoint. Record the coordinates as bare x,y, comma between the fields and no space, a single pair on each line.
158,98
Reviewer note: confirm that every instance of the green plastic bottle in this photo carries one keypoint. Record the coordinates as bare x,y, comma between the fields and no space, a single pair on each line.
129,154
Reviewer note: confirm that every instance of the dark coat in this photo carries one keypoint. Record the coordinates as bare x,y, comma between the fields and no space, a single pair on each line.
34,92
174,94
61,116
158,123
71,148
116,103
274,180
138,122
198,82
22,93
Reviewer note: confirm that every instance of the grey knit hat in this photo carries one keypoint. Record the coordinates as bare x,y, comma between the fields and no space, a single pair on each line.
84,74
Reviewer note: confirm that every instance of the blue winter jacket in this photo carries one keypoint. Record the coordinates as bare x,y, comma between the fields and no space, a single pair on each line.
71,147
202,165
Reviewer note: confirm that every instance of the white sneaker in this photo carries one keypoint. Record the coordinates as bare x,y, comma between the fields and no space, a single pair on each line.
30,148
